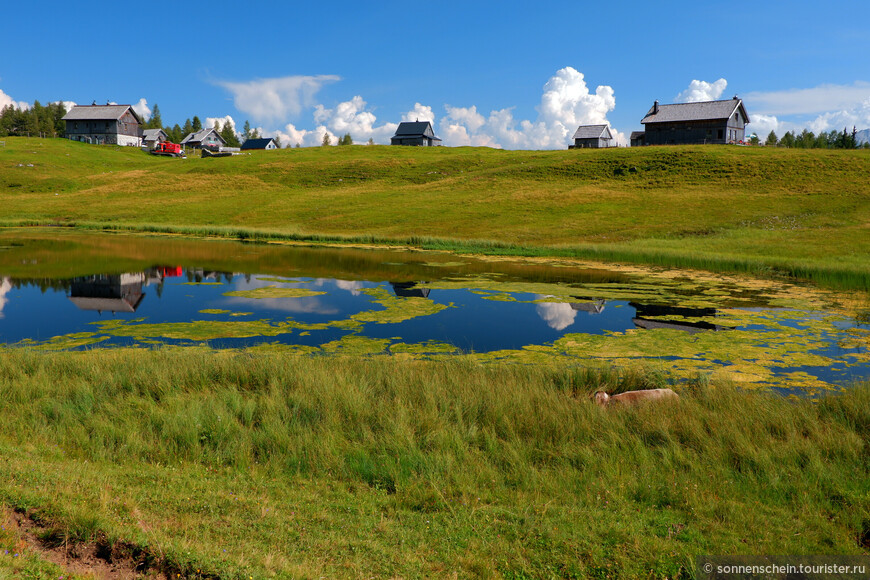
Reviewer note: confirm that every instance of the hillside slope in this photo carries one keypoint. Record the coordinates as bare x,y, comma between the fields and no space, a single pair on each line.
780,207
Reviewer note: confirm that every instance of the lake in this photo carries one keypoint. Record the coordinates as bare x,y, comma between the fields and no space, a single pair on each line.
61,289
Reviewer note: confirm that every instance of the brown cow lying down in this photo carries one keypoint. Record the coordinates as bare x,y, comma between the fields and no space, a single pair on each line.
633,397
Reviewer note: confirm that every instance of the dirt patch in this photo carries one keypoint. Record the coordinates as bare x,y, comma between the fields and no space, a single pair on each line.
98,558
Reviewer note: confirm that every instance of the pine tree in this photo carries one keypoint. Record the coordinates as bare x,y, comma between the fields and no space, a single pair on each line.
326,140
278,143
155,122
371,141
187,129
197,124
247,130
228,134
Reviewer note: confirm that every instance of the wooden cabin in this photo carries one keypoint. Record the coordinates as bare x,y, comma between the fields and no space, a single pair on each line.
418,133
594,136
696,123
267,143
204,138
151,138
104,125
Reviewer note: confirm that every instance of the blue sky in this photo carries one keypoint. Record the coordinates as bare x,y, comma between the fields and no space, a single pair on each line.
508,74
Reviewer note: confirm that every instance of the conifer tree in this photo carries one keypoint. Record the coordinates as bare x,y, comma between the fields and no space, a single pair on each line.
156,121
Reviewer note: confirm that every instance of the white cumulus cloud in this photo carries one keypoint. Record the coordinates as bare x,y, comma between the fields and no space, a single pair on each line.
210,121
566,103
557,315
857,116
6,100
762,125
353,118
276,99
5,287
291,136
700,91
142,109
419,113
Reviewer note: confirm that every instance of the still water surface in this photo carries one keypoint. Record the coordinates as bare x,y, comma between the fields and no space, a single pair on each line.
131,291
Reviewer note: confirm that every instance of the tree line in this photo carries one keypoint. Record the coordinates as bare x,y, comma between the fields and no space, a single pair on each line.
37,121
806,139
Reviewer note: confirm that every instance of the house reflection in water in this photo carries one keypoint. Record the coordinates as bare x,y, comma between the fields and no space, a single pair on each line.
648,316
409,290
594,307
108,293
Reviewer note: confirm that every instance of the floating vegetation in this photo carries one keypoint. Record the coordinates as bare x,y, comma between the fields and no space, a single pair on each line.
274,292
67,341
396,309
684,324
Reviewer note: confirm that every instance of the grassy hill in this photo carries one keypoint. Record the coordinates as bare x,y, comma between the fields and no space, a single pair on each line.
804,212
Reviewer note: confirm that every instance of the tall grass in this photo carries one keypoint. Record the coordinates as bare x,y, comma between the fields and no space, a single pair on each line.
571,487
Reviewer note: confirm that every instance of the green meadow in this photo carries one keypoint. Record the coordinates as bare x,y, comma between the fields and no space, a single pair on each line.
197,463
802,213
240,465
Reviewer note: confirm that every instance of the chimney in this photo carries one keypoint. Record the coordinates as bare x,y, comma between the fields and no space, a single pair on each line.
655,107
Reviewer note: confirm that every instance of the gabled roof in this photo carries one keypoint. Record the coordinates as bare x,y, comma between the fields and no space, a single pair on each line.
152,134
704,111
99,113
257,143
200,136
592,132
636,134
415,129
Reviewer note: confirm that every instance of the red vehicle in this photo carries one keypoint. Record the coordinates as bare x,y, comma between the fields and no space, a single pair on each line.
168,149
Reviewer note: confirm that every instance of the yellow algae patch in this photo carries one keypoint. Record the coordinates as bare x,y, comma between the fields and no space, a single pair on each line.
214,311
281,280
274,292
396,309
200,329
66,341
431,347
355,344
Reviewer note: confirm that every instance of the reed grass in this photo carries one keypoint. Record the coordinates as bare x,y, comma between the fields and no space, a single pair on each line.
343,467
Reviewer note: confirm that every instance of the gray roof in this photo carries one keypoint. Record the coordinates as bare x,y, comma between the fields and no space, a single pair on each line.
257,143
99,113
592,132
200,135
153,134
704,111
415,128
636,134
